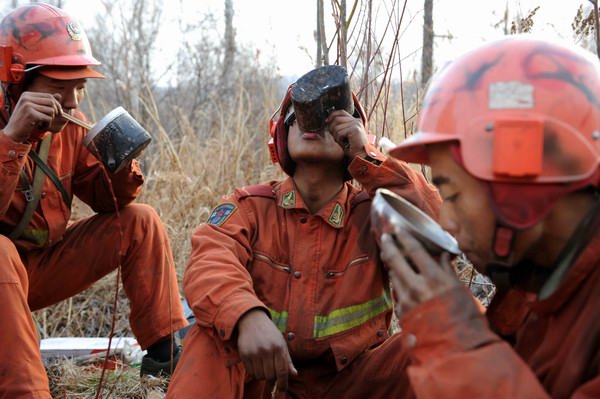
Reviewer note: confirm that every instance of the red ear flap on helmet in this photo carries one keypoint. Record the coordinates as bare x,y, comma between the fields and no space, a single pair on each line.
11,70
278,131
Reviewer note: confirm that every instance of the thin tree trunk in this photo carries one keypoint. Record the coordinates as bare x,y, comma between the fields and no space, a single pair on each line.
427,57
366,79
325,60
597,25
343,35
319,60
229,57
506,28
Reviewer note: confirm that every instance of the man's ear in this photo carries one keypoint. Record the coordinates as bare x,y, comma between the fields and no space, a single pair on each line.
15,90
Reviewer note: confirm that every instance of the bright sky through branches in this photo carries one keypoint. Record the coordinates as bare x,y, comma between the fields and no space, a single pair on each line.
283,29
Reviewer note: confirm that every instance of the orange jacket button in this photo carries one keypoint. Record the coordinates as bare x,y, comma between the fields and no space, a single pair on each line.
222,332
303,220
344,360
291,336
297,274
380,333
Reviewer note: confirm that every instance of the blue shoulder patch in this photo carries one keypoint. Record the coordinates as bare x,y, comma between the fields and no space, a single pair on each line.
221,213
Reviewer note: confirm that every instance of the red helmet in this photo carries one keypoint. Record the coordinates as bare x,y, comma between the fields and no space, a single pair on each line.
278,128
44,36
525,114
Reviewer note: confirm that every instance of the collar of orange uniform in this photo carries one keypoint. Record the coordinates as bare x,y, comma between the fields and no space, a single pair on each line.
333,213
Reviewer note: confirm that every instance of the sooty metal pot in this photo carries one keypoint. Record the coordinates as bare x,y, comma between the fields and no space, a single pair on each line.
320,92
116,139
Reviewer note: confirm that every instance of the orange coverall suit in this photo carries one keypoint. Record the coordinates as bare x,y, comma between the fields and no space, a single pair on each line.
52,262
549,348
317,275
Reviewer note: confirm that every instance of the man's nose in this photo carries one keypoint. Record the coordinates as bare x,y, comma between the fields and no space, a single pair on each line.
70,100
448,221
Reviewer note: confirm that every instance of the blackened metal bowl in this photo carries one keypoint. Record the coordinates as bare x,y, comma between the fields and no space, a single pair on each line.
116,139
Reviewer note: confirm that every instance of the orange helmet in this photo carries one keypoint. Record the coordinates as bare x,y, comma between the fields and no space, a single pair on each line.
525,115
43,36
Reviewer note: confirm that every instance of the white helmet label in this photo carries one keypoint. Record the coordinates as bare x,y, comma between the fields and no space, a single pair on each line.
507,95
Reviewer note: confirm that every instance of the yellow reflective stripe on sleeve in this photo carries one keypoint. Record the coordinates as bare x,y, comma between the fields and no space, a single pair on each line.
279,319
346,318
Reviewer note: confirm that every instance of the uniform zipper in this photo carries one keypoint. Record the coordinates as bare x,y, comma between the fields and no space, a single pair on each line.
354,262
278,266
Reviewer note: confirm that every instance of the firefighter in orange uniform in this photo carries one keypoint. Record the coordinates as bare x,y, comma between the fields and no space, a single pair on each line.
44,261
511,131
284,278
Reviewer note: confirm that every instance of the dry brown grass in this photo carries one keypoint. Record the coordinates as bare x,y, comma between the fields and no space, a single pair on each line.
70,380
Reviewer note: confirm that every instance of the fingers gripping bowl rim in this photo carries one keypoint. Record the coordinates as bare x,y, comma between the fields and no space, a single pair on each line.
389,212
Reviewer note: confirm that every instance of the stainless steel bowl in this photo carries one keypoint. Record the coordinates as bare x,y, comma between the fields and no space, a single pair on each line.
390,212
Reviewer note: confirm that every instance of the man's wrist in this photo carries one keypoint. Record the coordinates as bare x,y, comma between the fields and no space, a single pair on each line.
8,133
251,315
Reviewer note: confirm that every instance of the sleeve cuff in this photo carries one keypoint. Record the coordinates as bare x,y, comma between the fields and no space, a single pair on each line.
361,168
12,153
11,150
447,324
228,315
373,154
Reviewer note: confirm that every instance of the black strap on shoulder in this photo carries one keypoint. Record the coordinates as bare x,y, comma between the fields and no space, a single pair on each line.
32,194
50,173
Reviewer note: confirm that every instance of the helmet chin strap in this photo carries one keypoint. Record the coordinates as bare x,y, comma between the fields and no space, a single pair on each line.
499,269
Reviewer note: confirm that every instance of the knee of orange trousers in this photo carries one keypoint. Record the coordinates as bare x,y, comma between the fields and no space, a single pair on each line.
12,269
142,226
149,276
202,370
